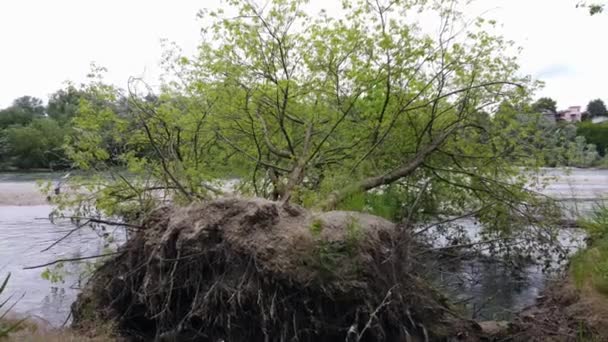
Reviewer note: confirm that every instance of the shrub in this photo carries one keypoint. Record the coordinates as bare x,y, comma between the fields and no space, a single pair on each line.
596,134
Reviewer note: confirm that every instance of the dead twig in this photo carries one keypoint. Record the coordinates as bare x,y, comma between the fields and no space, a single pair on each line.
70,260
78,227
374,314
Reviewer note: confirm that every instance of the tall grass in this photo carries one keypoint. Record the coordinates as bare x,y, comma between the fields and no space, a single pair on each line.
590,266
6,329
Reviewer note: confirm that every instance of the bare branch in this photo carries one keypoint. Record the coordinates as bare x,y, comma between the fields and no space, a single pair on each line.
72,259
403,171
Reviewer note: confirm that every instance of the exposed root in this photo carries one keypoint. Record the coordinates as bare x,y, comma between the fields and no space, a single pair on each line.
253,270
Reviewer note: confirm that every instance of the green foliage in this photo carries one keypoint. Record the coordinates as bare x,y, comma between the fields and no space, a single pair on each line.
545,104
385,204
37,145
353,233
597,108
63,104
597,224
316,228
328,255
363,113
594,7
23,111
550,143
596,134
54,275
31,140
390,202
590,266
579,153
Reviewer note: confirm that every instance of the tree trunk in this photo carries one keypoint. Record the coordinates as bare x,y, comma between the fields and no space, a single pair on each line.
373,182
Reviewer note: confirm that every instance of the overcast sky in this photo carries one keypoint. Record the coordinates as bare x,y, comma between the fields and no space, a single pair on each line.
45,43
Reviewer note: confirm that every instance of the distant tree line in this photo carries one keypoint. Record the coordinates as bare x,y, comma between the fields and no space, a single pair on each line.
579,144
37,136
32,135
596,108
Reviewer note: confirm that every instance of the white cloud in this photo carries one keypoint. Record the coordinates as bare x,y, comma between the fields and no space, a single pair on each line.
45,43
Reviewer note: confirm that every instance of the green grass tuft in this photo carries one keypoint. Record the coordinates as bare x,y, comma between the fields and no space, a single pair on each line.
6,329
590,266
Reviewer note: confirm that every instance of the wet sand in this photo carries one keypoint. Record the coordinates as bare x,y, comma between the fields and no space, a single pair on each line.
21,194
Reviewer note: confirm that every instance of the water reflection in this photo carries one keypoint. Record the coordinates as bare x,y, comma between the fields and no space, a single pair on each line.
490,290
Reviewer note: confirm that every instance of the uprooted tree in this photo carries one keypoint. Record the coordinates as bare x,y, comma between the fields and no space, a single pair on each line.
316,111
365,113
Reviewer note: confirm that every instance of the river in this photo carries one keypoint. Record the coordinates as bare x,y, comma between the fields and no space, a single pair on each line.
25,231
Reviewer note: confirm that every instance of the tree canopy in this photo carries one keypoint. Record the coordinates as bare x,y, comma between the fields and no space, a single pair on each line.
322,112
597,108
35,146
593,7
21,112
32,135
545,104
63,104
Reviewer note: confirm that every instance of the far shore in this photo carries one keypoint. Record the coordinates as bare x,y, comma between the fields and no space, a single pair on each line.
21,194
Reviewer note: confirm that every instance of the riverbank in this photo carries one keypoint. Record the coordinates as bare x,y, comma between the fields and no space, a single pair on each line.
36,330
563,313
21,194
574,308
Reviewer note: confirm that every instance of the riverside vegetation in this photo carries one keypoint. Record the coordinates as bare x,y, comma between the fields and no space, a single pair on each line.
32,136
327,124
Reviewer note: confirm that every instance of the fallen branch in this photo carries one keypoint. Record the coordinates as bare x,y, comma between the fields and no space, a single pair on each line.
70,260
106,222
403,171
78,227
467,245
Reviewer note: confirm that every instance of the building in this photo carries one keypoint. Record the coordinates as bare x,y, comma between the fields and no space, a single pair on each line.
572,114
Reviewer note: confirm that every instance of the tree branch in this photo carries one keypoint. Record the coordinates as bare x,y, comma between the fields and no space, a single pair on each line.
403,171
72,259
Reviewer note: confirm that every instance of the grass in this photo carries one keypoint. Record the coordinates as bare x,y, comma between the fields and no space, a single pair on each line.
20,330
29,330
33,332
6,328
590,266
387,204
330,255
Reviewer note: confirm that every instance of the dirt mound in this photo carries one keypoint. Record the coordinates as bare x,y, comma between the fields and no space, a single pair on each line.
252,270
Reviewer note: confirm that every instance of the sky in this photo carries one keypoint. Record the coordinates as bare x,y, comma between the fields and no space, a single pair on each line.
45,43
